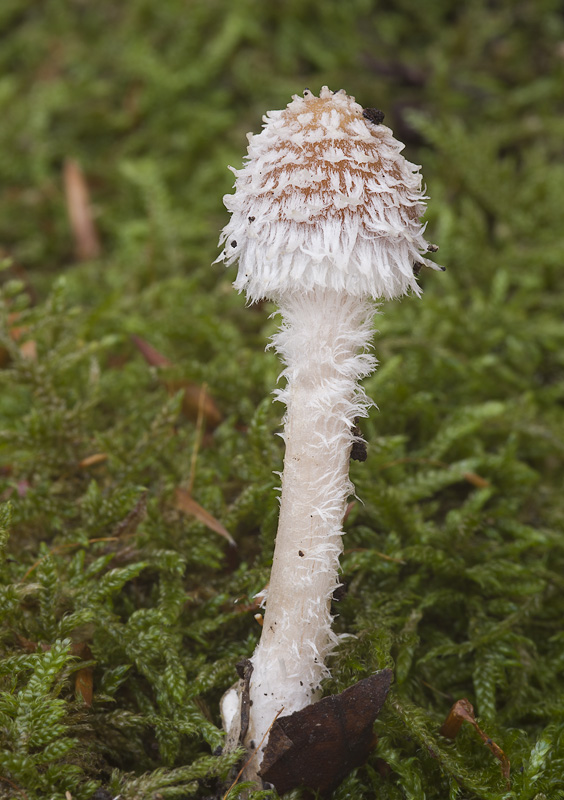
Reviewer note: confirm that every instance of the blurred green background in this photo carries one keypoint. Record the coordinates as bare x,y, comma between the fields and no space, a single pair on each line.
124,608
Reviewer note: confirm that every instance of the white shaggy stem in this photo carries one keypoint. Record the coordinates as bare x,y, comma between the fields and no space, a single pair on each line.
323,343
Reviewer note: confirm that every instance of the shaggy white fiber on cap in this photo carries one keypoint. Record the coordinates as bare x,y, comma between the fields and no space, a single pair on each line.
325,200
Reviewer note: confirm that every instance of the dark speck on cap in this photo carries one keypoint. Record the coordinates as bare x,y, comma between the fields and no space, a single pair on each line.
373,115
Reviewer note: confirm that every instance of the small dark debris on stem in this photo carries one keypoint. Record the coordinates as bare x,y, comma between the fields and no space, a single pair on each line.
359,450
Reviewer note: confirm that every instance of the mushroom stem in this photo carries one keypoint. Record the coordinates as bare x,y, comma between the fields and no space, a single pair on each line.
323,342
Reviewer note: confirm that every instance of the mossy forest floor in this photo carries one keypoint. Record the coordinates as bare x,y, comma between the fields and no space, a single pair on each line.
124,612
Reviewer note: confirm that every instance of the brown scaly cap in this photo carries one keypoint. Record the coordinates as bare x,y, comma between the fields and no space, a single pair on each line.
325,200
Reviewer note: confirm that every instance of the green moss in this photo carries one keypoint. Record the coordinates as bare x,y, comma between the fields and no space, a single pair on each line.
454,559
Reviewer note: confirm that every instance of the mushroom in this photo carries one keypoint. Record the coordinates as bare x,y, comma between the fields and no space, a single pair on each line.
325,219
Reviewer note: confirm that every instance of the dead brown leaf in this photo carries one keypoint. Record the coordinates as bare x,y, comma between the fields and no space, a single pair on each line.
187,504
348,510
192,402
91,461
29,350
79,209
29,646
14,786
196,399
463,711
84,678
151,356
476,480
84,684
15,332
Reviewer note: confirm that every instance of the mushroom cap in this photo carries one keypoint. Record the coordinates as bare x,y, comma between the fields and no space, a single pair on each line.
325,200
